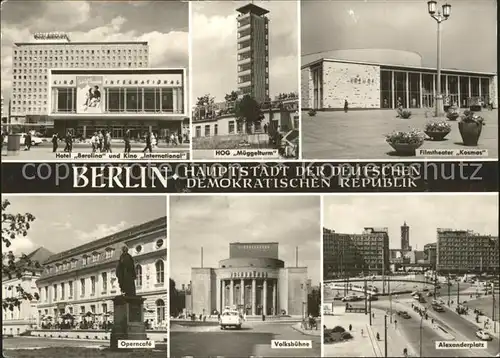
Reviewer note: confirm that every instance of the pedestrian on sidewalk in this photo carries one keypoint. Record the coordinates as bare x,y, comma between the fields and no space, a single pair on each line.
362,335
350,327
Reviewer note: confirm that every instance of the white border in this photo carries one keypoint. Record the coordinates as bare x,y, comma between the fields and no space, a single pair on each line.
321,220
167,204
299,63
190,79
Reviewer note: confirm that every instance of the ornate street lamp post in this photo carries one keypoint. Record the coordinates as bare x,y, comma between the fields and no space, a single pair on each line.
439,17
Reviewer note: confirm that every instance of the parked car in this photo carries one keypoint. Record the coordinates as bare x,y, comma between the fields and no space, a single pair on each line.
230,318
34,139
484,336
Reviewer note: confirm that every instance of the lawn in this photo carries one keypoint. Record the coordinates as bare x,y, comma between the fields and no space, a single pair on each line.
75,352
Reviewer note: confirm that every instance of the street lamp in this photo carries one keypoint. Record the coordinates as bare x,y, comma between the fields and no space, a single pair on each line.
421,323
439,17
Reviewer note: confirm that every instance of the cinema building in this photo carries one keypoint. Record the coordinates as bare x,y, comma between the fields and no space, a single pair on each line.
252,280
82,281
84,101
375,78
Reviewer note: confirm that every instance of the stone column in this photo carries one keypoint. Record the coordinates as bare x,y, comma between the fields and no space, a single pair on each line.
408,99
223,301
264,297
420,91
231,293
393,90
254,296
174,99
242,293
218,296
275,296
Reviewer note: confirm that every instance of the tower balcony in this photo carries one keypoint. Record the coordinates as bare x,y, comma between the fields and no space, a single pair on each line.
244,38
244,72
244,61
243,26
245,84
244,50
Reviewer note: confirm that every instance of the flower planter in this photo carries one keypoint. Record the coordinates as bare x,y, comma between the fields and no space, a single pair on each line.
470,132
406,149
437,135
453,117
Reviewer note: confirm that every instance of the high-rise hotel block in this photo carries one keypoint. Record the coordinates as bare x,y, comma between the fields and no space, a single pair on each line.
464,251
253,52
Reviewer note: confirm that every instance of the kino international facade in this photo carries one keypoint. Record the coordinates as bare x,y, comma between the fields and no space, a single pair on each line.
370,79
252,280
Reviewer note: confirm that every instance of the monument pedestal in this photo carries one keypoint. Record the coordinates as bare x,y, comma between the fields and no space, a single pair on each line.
128,321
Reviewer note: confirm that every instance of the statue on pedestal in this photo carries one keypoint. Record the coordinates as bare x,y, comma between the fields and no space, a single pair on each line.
125,273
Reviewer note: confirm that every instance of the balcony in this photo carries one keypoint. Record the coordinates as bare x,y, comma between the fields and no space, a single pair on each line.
244,50
245,84
244,38
245,61
245,72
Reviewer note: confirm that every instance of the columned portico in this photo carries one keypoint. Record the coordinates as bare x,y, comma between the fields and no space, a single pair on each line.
261,298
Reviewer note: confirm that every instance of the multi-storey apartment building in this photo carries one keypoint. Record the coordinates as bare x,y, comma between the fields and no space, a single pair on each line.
24,316
31,62
253,52
464,251
83,279
346,255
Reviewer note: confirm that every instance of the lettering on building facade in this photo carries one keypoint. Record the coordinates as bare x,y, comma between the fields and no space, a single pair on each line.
51,36
249,274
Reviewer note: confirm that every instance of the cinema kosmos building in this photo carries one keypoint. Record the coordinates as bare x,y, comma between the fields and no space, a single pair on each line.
83,280
252,280
379,78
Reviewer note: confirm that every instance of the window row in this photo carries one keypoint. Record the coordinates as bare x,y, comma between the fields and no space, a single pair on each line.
66,290
82,51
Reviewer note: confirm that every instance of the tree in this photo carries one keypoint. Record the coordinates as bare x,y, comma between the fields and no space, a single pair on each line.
176,300
231,97
248,111
205,100
14,226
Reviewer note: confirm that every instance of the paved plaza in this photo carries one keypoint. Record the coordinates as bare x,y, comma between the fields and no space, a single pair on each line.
361,134
32,347
254,339
43,151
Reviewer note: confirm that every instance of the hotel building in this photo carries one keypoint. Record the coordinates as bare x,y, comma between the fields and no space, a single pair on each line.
252,280
140,100
253,52
40,94
464,251
24,317
348,255
83,279
375,78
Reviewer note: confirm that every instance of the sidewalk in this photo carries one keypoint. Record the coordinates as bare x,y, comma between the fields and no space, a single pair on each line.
396,341
471,317
308,332
360,346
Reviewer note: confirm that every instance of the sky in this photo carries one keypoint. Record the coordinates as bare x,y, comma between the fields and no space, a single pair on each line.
422,213
65,222
469,36
213,222
164,24
214,47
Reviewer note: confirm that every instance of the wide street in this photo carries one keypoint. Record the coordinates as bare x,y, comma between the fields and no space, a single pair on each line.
458,328
43,151
254,339
361,134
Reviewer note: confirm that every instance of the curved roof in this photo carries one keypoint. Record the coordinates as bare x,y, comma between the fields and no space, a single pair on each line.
371,55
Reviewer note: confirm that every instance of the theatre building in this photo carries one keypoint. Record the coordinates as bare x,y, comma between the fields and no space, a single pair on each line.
140,100
82,281
371,79
252,280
